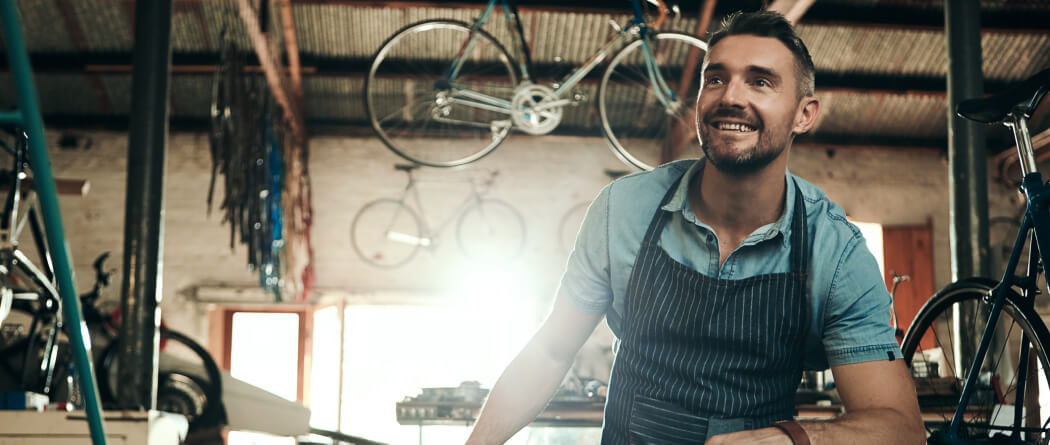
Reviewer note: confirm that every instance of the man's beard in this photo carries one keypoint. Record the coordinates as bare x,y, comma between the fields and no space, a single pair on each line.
767,149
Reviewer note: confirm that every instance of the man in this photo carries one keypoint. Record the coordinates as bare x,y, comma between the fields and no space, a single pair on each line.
722,279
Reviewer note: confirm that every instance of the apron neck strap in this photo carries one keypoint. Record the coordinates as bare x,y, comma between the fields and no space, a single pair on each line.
799,260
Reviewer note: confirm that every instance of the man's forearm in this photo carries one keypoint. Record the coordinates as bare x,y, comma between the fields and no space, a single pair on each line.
519,395
877,426
873,426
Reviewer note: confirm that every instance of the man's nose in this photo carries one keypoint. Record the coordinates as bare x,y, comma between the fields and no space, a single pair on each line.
734,94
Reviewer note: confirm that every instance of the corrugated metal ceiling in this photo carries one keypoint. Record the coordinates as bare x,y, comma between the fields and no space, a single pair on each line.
345,34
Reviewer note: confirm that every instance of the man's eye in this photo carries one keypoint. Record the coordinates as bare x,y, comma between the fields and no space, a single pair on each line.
714,81
762,83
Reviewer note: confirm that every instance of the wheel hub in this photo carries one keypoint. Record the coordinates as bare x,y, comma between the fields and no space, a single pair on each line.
531,110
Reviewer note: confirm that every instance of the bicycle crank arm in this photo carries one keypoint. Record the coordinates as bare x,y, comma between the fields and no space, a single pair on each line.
407,239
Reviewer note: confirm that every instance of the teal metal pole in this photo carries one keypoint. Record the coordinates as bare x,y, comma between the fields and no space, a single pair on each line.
44,182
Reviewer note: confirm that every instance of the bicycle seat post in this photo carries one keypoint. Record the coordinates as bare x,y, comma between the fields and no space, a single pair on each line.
1019,124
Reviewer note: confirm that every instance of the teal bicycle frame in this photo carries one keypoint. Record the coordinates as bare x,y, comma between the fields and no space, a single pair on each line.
27,116
636,26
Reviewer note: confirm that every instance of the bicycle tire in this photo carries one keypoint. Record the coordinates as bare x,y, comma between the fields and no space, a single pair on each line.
213,411
369,233
491,231
432,131
942,395
641,126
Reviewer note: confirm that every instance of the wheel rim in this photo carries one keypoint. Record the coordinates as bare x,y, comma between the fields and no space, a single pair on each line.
491,231
370,233
930,348
414,110
641,128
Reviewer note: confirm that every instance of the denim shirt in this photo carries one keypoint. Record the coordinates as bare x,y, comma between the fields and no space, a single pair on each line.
849,303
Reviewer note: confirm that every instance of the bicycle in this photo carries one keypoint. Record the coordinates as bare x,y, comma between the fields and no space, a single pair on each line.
25,286
993,397
444,93
388,233
897,280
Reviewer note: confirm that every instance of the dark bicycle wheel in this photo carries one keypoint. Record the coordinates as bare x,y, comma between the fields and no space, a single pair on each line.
423,117
934,342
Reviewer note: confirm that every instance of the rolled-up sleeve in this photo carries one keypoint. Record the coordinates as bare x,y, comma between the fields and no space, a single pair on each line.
857,313
585,283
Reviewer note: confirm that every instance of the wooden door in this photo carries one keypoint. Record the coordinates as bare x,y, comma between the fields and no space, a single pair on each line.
908,250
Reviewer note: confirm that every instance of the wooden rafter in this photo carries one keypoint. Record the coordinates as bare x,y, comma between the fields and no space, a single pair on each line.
292,50
792,10
296,195
276,77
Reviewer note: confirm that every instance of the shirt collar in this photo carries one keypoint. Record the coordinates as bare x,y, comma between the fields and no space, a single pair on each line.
782,225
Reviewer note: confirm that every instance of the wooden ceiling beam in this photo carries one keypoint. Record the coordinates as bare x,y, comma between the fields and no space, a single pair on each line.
357,67
276,77
292,50
792,10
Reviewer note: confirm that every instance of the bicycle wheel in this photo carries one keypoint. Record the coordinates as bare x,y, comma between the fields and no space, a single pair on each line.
492,230
644,127
386,233
932,343
422,116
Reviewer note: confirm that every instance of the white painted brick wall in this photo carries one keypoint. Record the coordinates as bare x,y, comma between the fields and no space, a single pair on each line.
541,176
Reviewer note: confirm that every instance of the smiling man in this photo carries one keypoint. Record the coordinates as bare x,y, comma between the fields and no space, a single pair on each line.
723,278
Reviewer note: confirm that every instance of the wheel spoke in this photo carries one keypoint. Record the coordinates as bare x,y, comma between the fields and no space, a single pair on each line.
984,403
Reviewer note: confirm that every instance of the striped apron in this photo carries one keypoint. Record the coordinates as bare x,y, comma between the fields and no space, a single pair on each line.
701,356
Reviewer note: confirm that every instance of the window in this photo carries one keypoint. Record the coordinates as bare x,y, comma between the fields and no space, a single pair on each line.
264,348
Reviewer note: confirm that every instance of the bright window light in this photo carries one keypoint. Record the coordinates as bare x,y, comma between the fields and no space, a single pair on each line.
324,375
873,237
391,352
264,352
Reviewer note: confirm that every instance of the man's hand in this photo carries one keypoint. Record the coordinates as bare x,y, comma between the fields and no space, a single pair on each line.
764,436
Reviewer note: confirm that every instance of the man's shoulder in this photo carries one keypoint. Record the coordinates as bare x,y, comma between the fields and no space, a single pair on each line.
655,182
826,220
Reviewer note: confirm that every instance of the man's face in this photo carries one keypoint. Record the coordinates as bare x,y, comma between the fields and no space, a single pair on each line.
748,103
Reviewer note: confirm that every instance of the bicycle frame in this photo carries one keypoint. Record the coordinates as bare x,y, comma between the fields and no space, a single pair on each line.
12,258
636,27
429,231
1035,229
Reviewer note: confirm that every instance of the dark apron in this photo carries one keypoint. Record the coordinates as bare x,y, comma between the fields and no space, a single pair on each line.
701,356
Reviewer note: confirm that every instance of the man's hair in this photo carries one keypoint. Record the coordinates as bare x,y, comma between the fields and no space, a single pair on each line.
768,24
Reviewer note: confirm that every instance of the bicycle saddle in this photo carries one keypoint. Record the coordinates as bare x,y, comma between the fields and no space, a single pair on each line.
996,107
406,167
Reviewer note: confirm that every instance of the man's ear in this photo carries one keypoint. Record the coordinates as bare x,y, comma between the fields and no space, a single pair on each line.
806,114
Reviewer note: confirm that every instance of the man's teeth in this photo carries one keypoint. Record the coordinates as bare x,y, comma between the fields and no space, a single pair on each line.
734,127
